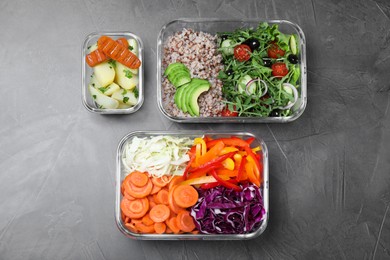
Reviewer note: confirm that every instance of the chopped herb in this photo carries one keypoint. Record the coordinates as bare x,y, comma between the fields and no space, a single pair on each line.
128,74
89,47
136,93
110,67
103,89
124,92
93,84
94,96
112,63
101,106
131,47
125,99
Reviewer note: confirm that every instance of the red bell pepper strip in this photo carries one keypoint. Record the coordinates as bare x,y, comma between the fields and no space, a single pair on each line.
241,168
200,172
192,158
250,140
227,184
232,141
209,185
213,162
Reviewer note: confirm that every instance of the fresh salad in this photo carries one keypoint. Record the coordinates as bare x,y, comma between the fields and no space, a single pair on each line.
200,186
261,71
115,64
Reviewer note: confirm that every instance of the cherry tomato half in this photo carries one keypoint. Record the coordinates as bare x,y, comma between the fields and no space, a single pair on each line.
228,113
279,69
274,51
242,52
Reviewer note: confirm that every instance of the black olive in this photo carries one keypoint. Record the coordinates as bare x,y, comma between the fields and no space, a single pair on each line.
275,113
224,37
253,43
229,72
293,58
267,62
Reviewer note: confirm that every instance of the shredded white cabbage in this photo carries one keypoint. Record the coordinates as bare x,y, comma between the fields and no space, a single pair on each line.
157,155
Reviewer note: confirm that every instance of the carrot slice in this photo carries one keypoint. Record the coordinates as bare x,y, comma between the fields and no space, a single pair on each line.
155,189
127,195
131,227
185,196
147,220
162,197
160,182
171,223
135,208
138,192
159,213
118,52
139,179
145,228
184,221
175,180
172,204
160,227
168,230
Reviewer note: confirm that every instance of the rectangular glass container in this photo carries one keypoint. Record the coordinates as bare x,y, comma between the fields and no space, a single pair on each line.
213,26
87,71
121,173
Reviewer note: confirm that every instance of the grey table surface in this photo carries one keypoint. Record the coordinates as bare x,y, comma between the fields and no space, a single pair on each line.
329,170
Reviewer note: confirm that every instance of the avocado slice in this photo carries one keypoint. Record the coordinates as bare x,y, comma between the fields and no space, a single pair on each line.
179,79
191,94
193,98
175,66
178,95
183,97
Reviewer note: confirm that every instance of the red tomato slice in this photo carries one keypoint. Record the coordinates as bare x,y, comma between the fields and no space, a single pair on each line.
279,69
228,113
274,51
242,52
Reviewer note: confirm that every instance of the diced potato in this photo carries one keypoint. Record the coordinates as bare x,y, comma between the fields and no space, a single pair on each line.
125,96
105,73
123,105
102,100
110,89
92,48
124,77
94,82
133,46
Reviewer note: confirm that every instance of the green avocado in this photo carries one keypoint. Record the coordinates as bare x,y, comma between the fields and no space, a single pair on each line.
177,66
191,93
180,78
178,96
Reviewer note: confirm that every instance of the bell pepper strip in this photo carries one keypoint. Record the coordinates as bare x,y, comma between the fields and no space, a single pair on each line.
253,156
249,168
212,153
241,168
230,173
203,171
228,149
202,144
237,160
210,185
185,173
203,179
232,141
250,140
256,149
227,184
228,164
213,162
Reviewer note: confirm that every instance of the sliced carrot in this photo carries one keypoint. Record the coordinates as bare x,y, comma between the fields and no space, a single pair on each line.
139,179
118,52
131,227
162,197
147,220
172,204
139,192
185,196
127,195
195,232
171,223
135,208
161,182
155,189
152,204
175,180
160,227
168,230
159,213
184,221
145,228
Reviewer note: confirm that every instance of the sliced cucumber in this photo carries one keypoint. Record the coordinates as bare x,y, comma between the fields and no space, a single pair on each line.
227,47
241,86
293,44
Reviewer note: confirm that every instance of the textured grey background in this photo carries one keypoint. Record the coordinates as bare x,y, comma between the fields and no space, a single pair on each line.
329,170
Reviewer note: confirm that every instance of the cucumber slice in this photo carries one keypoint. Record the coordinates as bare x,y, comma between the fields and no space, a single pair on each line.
293,44
227,47
241,86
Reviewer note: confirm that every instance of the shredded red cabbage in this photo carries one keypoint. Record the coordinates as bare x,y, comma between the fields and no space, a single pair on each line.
221,210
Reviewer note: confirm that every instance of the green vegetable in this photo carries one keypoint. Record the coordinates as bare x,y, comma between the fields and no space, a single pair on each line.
128,74
250,103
